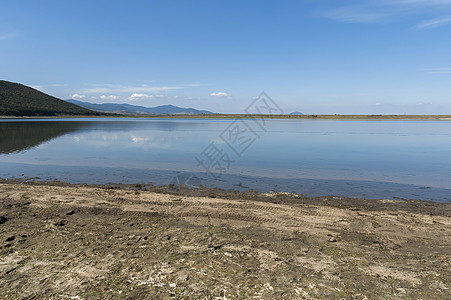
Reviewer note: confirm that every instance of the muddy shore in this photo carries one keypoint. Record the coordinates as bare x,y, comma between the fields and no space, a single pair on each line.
63,241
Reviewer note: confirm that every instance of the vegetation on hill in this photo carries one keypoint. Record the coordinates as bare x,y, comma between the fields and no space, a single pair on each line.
20,100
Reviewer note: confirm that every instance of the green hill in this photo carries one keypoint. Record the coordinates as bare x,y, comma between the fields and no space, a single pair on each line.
20,100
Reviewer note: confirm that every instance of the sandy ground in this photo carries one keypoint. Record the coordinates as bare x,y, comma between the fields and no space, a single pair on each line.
85,242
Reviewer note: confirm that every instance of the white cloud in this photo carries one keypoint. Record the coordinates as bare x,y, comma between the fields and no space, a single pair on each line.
144,88
58,84
356,14
78,96
49,88
434,23
109,97
438,71
6,36
38,87
427,2
96,90
219,94
378,11
137,139
139,96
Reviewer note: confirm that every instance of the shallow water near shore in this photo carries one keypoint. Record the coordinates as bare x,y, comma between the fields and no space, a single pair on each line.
406,159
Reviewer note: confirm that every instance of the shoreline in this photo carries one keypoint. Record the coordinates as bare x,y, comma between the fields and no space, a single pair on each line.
339,201
246,116
307,187
60,241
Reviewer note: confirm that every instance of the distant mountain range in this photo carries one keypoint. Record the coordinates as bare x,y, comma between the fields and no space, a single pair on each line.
20,100
134,109
296,113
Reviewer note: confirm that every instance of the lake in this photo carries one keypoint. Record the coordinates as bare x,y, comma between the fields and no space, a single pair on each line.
405,159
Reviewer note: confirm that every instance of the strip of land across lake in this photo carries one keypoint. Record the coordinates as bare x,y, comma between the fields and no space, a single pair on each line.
247,116
64,241
287,116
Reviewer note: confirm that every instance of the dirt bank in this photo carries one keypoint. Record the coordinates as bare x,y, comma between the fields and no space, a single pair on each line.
61,241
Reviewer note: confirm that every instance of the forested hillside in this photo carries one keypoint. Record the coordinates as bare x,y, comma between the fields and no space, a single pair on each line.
20,100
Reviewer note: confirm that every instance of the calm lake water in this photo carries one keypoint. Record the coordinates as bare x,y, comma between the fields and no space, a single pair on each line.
408,159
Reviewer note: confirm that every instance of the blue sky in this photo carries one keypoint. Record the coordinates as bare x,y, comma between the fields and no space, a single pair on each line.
313,56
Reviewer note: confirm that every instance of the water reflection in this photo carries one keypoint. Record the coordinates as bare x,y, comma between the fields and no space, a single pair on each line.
303,156
20,136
